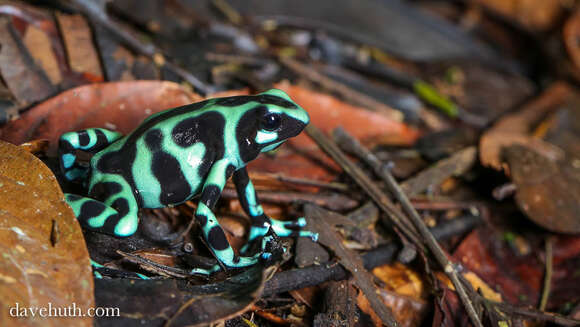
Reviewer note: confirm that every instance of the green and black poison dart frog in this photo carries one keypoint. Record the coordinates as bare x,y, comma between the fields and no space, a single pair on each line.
180,153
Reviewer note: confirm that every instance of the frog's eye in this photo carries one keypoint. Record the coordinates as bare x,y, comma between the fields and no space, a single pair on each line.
271,122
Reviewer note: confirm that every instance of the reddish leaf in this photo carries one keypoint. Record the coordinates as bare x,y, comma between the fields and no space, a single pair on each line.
519,278
516,278
119,106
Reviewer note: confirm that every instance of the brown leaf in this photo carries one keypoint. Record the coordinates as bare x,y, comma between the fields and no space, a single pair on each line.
408,311
548,192
81,53
25,80
22,167
533,14
571,36
29,21
38,41
400,279
119,106
515,128
39,267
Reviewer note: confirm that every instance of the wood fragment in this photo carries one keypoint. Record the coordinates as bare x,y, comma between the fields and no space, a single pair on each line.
455,165
339,306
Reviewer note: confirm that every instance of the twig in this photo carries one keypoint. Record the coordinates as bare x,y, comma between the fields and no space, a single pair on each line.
319,221
236,59
381,199
317,274
302,181
547,275
533,314
96,12
348,93
448,267
227,10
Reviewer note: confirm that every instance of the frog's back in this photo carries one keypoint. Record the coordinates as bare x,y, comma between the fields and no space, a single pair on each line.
167,158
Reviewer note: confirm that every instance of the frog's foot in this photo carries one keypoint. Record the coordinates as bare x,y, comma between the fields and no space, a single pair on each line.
90,140
95,265
261,227
243,261
292,228
205,272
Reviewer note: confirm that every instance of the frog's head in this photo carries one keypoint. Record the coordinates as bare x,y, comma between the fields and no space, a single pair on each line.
279,118
266,121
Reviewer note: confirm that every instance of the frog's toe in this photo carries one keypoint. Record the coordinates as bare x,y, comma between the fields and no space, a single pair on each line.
205,272
289,228
266,255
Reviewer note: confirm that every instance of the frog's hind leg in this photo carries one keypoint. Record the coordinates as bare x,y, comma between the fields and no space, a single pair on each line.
116,215
91,140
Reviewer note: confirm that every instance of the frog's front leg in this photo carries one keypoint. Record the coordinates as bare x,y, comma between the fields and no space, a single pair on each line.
260,221
91,140
116,214
212,231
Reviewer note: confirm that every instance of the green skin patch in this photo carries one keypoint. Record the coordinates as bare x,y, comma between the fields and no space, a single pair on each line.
179,154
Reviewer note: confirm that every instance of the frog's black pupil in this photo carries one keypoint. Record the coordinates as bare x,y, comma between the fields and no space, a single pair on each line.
271,122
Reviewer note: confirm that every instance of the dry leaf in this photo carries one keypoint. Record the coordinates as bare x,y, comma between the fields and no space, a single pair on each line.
45,259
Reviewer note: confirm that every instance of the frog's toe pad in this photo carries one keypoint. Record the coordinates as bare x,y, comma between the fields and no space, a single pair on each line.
266,255
314,237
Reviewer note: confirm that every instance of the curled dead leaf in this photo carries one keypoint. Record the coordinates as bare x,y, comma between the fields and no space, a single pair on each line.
39,267
515,128
571,37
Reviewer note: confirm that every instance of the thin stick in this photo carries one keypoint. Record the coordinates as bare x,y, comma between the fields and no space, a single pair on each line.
449,268
547,275
381,199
